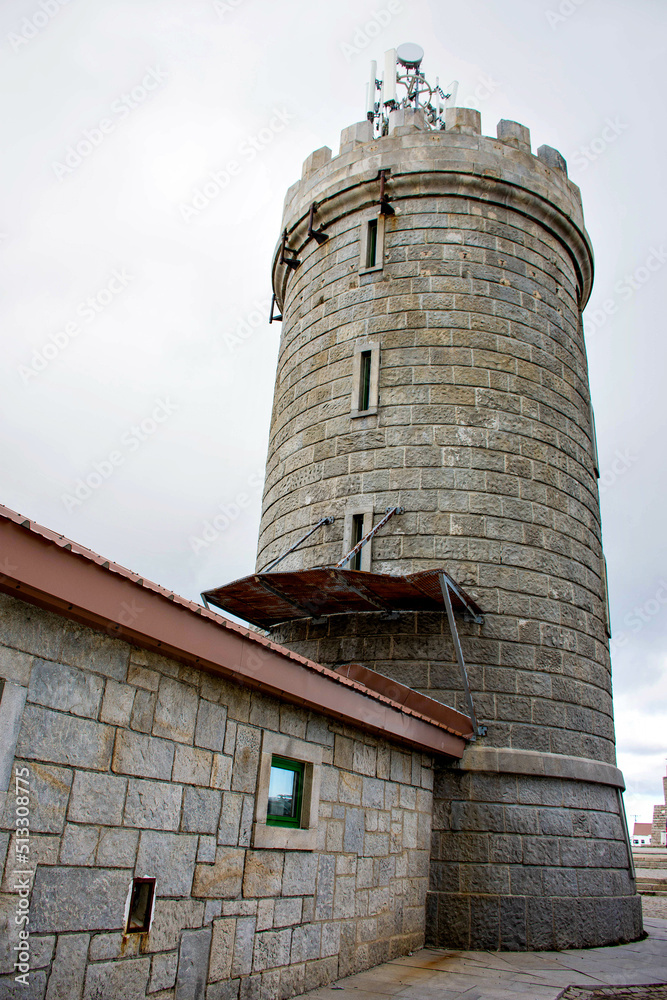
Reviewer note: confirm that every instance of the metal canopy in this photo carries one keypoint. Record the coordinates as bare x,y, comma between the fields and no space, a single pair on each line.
267,599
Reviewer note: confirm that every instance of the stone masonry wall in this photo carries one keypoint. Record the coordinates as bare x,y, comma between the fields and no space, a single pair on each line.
142,766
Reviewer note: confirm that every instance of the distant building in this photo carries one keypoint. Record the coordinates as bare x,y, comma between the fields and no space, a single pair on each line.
641,835
659,825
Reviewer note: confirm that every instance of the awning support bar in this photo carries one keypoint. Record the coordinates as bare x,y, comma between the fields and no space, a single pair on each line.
444,586
323,520
359,546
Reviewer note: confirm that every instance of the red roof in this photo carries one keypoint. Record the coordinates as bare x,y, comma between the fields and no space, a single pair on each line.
641,830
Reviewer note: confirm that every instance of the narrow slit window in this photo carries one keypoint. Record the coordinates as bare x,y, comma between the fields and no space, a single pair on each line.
372,243
357,535
365,381
141,906
285,792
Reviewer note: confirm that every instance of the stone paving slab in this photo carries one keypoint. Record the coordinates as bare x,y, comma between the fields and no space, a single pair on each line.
582,974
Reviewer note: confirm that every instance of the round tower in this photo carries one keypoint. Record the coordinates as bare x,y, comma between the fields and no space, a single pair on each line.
431,284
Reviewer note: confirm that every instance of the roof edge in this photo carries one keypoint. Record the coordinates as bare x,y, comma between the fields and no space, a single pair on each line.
52,572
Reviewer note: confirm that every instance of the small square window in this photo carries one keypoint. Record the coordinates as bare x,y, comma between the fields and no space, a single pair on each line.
285,792
141,906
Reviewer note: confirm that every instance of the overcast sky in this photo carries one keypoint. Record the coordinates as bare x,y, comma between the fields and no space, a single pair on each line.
136,350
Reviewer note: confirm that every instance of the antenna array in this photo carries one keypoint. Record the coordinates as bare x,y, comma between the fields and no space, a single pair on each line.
402,68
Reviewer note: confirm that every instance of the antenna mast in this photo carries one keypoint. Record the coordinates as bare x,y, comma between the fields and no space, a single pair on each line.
402,67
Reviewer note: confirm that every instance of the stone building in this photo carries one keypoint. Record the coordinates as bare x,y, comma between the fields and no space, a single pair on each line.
420,745
431,282
659,824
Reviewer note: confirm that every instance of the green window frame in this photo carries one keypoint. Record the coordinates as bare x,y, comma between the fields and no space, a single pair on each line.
298,770
372,244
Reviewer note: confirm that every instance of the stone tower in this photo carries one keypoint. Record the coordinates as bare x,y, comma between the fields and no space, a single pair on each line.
431,284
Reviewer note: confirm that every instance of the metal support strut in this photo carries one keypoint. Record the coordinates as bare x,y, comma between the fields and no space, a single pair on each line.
322,521
292,262
317,234
444,586
273,314
385,207
389,513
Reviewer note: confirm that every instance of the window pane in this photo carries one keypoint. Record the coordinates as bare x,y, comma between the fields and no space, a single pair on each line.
282,791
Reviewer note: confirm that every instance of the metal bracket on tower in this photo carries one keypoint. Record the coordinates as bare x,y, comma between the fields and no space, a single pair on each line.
444,586
385,207
322,521
289,261
389,513
273,315
317,234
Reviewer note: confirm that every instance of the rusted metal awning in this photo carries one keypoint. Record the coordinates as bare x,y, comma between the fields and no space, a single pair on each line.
267,599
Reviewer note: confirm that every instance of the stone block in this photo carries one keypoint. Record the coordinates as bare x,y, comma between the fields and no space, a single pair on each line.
79,899
271,950
222,880
142,711
11,990
143,756
90,650
222,949
553,159
193,965
206,850
306,943
153,805
326,870
287,912
163,971
169,919
69,967
221,771
192,766
463,121
117,704
78,845
65,688
175,711
201,810
353,840
64,739
118,979
355,135
263,873
224,991
117,848
230,818
41,949
210,729
15,666
319,158
107,946
141,676
514,134
169,858
49,792
244,940
246,759
97,798
299,874
29,629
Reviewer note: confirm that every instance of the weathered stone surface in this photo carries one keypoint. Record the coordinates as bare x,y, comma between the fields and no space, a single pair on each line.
144,756
201,810
79,899
230,818
117,703
272,949
243,946
15,665
11,990
263,873
222,949
221,773
222,880
299,873
206,850
49,792
287,912
117,979
169,919
69,968
97,798
83,647
163,971
246,759
210,730
142,711
193,965
63,739
306,943
192,766
29,629
78,845
117,848
66,688
175,711
153,805
169,858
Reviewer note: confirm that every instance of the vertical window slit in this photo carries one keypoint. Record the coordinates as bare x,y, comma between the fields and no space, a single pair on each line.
372,243
365,381
357,535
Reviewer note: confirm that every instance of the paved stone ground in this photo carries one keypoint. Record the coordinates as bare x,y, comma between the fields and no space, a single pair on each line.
545,975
